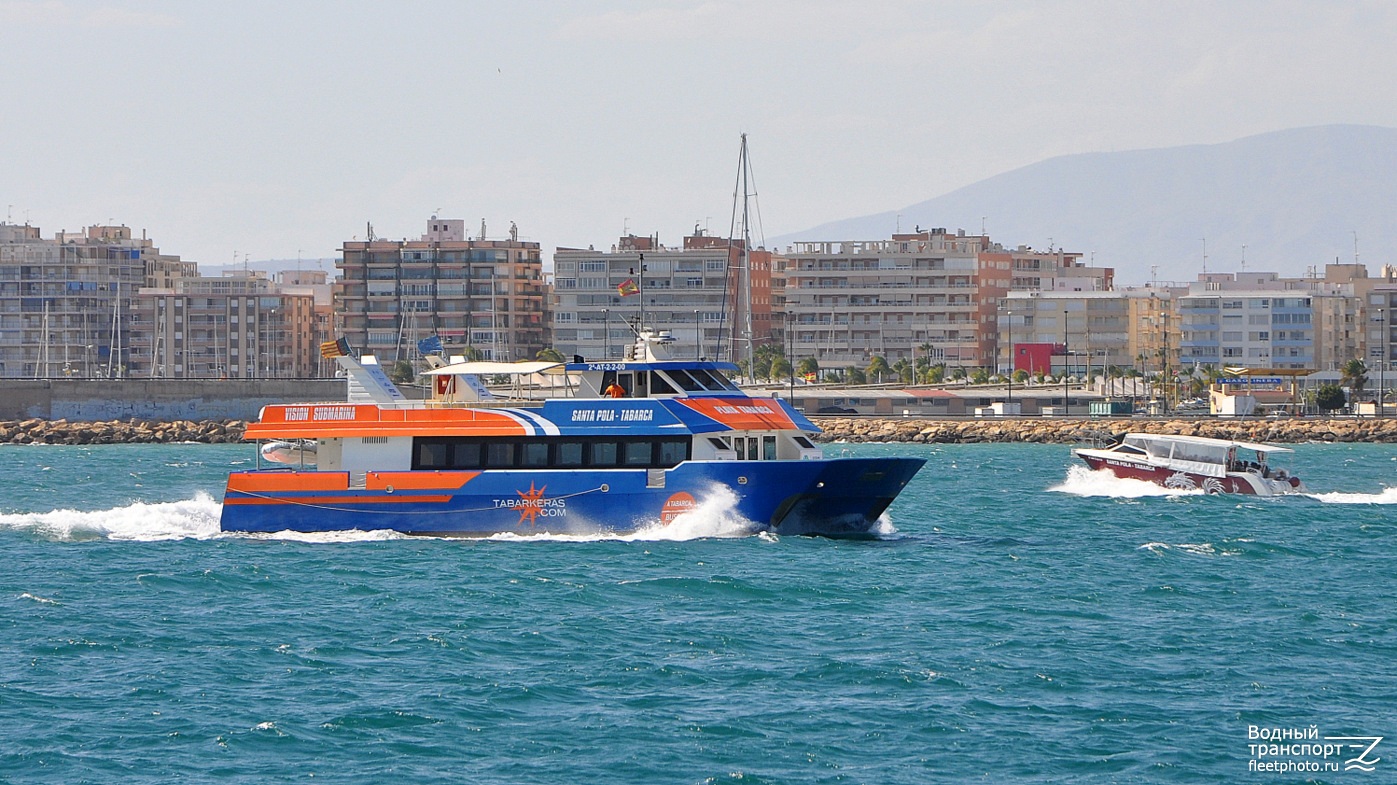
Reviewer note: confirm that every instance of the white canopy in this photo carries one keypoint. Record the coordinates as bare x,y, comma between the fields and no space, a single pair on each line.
486,368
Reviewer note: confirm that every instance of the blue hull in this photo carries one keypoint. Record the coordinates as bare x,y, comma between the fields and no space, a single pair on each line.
838,497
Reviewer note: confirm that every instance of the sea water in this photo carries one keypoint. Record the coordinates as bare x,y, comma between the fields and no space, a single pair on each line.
1018,619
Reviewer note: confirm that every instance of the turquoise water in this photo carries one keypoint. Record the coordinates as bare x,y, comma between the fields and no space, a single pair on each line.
1021,620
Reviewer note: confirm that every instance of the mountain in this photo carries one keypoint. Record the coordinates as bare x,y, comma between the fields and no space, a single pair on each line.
1294,198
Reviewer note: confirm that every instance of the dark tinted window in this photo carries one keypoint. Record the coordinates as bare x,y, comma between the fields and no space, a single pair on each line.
602,454
533,454
499,455
569,454
637,453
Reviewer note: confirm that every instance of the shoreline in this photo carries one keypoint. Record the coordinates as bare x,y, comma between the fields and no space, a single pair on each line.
910,430
1078,431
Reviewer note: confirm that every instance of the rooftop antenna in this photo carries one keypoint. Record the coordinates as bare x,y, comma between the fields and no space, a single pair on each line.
1153,269
1355,246
897,225
482,228
370,232
1244,257
1204,240
982,227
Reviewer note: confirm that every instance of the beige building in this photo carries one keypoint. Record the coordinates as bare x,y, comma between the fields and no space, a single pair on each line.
471,292
67,303
238,326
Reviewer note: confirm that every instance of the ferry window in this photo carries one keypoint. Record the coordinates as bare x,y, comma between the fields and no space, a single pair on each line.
627,383
432,455
569,454
705,379
752,449
466,455
768,448
805,443
659,385
499,455
638,453
672,452
533,454
601,454
640,389
740,445
685,380
719,444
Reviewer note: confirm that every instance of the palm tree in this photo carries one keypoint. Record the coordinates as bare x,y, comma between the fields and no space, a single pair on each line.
550,355
1355,378
808,366
878,366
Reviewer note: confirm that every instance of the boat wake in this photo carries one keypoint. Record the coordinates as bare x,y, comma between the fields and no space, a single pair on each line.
714,516
1082,481
195,518
1386,496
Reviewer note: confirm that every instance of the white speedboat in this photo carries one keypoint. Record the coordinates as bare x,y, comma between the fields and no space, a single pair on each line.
1194,463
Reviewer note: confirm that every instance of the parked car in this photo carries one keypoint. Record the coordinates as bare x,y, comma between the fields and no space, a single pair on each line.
836,410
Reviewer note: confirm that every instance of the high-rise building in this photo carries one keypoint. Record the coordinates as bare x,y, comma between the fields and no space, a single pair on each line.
66,303
471,292
238,326
930,293
697,292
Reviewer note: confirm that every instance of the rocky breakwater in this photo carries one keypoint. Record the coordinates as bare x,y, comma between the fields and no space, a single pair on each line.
902,429
120,432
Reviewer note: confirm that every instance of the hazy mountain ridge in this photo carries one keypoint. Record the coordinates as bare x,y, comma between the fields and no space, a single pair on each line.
1294,198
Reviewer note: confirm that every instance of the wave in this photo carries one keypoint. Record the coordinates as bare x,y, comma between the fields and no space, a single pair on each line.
1386,496
714,516
1082,481
195,518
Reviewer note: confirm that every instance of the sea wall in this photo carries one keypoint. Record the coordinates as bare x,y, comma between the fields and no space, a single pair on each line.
164,400
836,429
36,431
1075,431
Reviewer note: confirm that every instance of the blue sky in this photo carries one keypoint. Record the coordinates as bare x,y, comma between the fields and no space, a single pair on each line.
278,129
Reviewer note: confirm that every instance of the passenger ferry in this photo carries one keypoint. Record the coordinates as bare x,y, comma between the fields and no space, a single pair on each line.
1194,463
558,455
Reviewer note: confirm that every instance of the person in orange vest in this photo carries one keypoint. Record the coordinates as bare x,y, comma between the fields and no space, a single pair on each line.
616,391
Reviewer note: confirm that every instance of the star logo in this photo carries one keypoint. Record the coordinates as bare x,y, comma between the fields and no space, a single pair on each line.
531,503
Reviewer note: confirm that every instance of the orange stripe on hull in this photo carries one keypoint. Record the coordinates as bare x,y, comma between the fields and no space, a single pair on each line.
311,421
418,481
288,481
326,500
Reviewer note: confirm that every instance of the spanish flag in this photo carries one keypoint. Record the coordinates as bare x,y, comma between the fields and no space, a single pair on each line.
627,288
332,349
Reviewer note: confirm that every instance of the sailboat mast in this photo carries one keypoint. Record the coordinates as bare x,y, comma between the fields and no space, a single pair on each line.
747,259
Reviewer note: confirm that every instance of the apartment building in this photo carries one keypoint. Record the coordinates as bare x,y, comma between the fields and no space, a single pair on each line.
1088,332
929,293
696,291
66,303
237,326
471,292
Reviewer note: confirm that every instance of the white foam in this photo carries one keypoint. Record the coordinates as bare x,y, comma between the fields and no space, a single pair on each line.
1387,496
1082,481
195,518
714,515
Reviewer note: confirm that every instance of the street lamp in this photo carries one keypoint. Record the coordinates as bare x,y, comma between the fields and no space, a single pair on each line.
1009,328
790,359
1064,361
1382,365
1164,359
606,333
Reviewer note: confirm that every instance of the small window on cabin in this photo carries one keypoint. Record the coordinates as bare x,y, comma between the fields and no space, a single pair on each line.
641,389
719,444
752,448
637,453
499,455
673,452
804,443
533,455
466,455
601,454
659,385
432,455
685,380
569,454
768,448
722,380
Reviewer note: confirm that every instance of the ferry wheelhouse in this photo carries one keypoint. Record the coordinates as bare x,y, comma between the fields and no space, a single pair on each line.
559,454
1194,463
